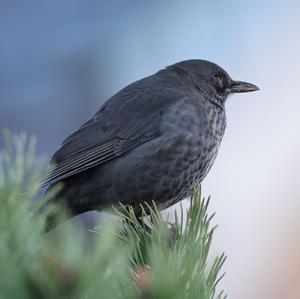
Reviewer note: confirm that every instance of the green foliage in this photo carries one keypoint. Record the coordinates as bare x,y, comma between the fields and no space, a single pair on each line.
66,264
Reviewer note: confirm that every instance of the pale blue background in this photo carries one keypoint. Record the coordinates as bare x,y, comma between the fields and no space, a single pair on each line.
59,60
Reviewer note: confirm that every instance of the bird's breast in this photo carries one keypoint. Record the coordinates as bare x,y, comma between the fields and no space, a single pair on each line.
197,130
166,168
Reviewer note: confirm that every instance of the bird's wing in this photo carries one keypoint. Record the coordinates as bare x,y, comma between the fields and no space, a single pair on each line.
125,121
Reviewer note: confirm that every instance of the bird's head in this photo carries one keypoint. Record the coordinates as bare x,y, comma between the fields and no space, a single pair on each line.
212,80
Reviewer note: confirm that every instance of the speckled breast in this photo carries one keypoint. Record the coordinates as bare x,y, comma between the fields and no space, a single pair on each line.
165,169
197,130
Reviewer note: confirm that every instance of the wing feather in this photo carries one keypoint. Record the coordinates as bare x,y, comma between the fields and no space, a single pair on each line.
127,120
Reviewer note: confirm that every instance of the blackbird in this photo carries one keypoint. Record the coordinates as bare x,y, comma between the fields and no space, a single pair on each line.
152,141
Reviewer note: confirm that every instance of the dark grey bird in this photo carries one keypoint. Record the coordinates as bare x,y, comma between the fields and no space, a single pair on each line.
152,141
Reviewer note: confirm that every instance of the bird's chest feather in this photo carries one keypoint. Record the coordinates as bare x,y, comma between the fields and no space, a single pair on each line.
197,130
165,169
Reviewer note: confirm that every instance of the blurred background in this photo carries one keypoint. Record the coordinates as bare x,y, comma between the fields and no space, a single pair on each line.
60,60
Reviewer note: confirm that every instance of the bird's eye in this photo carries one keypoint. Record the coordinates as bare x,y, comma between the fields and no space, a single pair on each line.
219,81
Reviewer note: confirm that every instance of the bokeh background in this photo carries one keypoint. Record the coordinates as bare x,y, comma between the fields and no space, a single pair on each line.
60,60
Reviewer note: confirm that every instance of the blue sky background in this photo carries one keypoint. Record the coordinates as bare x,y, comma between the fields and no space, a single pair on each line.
60,60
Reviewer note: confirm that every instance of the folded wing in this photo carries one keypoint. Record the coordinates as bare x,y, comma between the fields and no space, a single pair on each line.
125,121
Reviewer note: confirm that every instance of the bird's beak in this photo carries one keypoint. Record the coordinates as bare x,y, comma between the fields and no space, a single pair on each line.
240,86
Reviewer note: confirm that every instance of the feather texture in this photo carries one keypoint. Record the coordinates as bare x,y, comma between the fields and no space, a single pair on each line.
125,121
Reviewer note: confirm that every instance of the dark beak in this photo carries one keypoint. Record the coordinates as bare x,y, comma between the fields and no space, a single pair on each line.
240,86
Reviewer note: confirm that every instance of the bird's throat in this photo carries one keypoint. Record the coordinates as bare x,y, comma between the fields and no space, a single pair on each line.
216,103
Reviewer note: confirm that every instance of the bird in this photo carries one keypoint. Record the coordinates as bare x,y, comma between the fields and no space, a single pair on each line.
152,141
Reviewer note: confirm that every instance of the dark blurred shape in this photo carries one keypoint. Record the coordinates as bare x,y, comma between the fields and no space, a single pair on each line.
150,142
